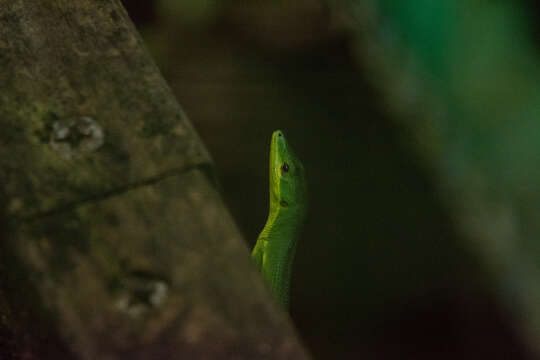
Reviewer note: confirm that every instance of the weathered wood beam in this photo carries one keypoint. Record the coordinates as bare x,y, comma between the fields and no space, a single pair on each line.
115,243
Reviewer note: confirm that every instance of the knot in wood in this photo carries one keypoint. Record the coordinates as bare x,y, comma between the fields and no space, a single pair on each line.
76,136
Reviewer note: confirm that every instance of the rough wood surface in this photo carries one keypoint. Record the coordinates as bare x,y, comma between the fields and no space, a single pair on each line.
115,242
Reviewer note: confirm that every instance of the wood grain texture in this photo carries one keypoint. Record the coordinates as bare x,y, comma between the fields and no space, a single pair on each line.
115,242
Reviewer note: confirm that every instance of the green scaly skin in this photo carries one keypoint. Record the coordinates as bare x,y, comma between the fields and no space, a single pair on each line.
274,251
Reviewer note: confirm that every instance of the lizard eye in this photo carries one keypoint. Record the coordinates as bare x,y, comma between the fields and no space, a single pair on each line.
285,167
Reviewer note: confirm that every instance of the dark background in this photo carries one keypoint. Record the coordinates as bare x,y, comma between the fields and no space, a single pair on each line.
382,270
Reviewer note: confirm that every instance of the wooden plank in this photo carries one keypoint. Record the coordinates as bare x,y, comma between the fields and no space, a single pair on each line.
115,242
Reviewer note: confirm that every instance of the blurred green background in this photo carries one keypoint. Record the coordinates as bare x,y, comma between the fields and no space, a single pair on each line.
418,125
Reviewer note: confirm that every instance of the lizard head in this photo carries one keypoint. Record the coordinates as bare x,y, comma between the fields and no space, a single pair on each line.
287,177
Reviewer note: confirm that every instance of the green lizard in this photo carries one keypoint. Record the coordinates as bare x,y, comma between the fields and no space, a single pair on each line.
274,251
